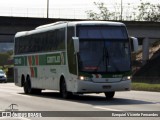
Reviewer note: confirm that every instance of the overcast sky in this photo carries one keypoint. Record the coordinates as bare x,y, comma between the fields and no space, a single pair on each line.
62,3
35,8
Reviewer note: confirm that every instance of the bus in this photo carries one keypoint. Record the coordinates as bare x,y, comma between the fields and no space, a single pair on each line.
75,57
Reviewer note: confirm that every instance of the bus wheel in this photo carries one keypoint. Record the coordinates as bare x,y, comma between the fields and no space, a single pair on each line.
27,87
109,95
63,90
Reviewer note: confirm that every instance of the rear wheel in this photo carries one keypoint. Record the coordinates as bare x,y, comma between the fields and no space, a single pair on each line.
109,95
28,88
63,90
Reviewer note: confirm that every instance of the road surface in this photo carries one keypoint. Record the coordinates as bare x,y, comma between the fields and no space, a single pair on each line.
51,101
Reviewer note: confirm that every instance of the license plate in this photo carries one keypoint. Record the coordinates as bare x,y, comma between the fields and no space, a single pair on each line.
106,87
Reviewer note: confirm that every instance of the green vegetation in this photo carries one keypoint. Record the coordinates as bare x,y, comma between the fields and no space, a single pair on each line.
146,87
6,64
147,12
3,59
147,76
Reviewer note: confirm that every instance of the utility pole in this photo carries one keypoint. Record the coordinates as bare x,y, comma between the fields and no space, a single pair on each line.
47,8
121,10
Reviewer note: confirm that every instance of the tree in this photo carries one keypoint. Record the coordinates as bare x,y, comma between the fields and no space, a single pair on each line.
148,12
144,12
103,14
4,59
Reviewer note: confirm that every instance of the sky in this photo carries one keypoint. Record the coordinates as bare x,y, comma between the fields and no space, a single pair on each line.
57,8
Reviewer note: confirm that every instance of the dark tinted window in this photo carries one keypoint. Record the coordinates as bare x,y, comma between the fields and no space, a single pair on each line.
102,32
41,42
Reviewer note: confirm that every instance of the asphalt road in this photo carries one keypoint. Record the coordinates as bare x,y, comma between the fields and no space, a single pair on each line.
51,101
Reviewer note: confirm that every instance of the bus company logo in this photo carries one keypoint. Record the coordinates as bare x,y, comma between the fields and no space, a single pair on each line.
53,59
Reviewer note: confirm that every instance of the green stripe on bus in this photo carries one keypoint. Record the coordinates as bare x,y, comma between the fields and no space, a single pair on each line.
35,72
19,61
25,60
46,59
42,59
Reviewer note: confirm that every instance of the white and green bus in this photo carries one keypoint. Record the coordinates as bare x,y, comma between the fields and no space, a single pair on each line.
74,58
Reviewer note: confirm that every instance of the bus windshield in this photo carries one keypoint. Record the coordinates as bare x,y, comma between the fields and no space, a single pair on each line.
103,49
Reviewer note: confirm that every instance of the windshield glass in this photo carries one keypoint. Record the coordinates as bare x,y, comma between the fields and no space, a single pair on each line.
104,53
102,32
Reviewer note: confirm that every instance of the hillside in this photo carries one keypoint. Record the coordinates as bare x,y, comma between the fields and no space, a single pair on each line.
150,72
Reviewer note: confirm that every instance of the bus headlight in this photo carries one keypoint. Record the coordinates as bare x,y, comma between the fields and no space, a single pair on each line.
84,78
81,77
126,78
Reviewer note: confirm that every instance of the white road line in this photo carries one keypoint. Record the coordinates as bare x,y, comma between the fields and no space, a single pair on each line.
104,108
14,118
22,95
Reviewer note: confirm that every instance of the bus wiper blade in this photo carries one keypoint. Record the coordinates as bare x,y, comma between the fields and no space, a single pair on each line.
102,59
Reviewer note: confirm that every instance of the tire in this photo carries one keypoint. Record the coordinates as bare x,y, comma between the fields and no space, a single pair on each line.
109,95
28,88
63,90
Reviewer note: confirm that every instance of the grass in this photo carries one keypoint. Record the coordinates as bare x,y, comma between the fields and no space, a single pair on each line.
146,87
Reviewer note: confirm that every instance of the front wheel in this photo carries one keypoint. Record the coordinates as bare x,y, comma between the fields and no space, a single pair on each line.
63,90
109,95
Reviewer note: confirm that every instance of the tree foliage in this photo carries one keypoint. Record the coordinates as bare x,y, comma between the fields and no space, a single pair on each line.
103,13
149,12
144,12
3,59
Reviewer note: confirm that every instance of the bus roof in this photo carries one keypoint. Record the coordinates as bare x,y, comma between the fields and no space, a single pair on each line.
97,23
61,24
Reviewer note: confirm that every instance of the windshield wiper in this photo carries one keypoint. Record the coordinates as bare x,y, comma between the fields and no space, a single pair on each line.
105,58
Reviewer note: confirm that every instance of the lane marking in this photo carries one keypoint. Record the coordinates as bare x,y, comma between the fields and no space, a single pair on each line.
22,95
14,118
109,109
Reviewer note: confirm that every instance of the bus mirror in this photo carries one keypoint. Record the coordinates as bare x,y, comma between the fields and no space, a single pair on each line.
76,44
134,44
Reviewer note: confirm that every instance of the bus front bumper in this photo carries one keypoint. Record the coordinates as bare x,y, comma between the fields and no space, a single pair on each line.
93,87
